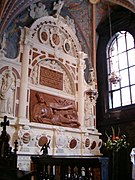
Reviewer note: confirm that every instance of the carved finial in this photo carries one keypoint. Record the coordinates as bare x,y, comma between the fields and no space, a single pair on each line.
5,123
57,7
94,1
16,146
38,10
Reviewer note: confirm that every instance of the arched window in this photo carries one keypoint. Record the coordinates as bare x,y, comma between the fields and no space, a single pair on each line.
116,58
120,55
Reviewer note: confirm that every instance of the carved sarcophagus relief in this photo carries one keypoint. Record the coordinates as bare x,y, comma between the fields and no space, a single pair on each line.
50,109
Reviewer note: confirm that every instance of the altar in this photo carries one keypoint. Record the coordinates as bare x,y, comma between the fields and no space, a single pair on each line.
132,156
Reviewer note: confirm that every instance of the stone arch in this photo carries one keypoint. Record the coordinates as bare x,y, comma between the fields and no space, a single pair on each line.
54,64
43,31
126,4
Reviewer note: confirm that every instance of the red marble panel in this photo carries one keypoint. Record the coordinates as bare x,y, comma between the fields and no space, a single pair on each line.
50,109
51,78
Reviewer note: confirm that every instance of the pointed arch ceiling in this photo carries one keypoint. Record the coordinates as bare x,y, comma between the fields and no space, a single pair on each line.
9,9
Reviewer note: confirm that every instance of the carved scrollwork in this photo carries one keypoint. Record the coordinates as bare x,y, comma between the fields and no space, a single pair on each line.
34,75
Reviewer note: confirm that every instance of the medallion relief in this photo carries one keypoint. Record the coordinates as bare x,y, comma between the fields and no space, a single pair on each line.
67,46
73,143
55,37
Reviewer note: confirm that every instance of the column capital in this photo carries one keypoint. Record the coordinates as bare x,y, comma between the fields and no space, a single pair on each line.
28,42
82,55
94,1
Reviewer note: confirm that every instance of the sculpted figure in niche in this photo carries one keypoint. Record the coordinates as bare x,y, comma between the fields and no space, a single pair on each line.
56,113
88,111
34,77
7,92
91,78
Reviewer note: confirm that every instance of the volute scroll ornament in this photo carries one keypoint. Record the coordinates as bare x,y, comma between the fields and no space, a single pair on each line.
34,75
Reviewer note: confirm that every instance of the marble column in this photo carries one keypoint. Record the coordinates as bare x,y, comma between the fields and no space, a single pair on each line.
81,67
24,79
93,56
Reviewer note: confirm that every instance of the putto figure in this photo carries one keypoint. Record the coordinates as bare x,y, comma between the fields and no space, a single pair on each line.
38,10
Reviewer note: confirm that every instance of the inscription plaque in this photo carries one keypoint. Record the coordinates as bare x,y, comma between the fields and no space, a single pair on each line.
51,78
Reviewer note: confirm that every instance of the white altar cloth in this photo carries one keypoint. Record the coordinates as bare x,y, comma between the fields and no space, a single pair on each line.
132,156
